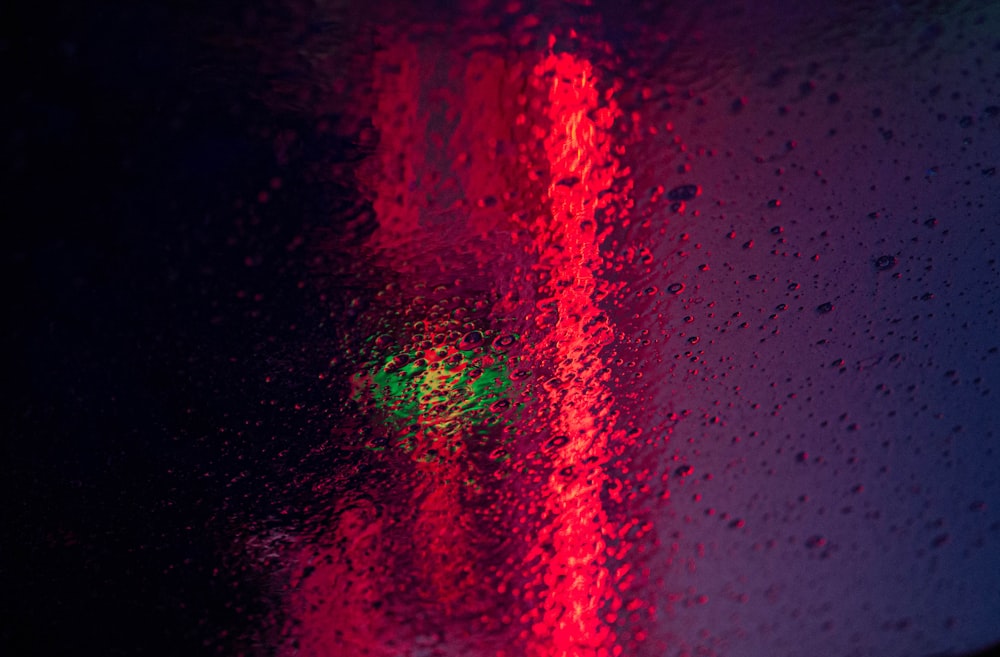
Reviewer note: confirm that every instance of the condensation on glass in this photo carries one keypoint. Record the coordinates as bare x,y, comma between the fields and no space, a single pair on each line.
650,331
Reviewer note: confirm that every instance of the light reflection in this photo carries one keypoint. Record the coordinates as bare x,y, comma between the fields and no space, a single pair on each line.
578,597
536,171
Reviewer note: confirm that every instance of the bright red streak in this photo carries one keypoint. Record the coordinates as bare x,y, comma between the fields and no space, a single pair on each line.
577,149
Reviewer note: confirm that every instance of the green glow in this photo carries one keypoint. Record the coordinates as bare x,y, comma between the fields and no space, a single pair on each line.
445,390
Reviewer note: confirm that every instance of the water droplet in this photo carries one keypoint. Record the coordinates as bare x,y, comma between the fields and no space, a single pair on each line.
471,340
683,193
499,454
815,541
556,442
504,342
397,363
885,262
824,308
675,288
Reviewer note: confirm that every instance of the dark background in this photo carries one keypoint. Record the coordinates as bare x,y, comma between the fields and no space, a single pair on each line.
128,145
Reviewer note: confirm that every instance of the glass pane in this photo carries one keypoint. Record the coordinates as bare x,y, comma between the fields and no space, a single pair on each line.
655,331
575,329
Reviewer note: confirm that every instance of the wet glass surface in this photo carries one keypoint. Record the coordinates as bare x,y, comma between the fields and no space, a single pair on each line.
506,329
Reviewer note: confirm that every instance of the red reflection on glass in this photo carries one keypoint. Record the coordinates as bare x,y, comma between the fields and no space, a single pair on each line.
577,595
355,572
517,155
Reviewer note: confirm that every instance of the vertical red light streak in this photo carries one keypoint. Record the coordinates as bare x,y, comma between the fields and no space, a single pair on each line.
572,619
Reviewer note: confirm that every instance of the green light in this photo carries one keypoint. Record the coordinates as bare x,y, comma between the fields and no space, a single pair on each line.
444,390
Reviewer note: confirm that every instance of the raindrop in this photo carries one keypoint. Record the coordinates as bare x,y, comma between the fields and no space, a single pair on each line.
504,342
471,340
885,262
675,288
397,363
684,193
556,442
815,541
824,308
